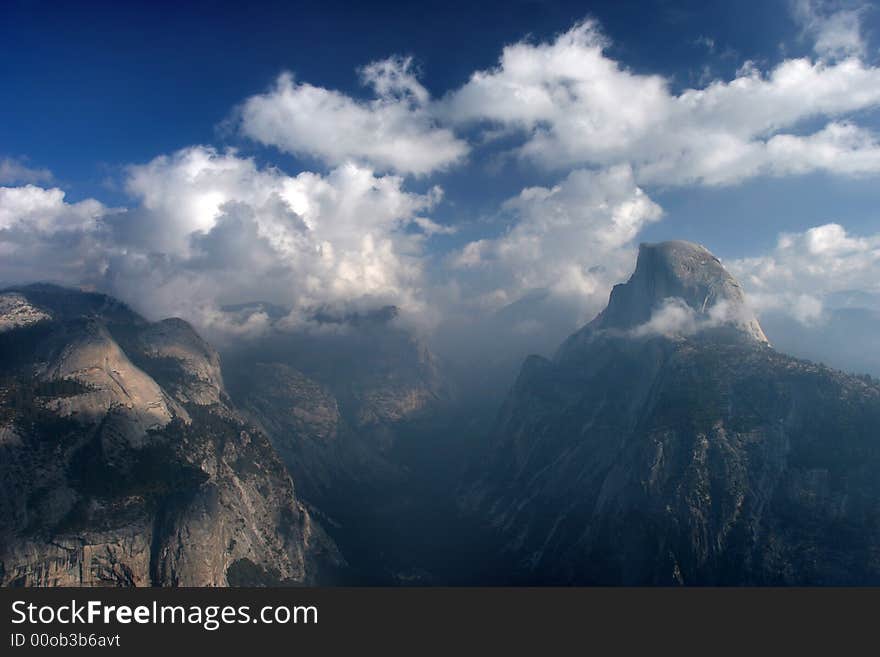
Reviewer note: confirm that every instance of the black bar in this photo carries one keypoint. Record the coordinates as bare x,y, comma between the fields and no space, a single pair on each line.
488,621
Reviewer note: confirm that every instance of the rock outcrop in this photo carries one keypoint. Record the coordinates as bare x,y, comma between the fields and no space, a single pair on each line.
16,312
124,463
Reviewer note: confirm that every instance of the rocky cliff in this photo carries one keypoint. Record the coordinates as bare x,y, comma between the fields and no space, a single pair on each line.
677,447
124,461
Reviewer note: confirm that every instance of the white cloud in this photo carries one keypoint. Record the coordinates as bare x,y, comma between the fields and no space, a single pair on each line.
395,131
805,268
210,227
574,106
43,237
835,30
213,228
250,233
429,227
675,318
574,239
839,147
672,318
14,171
37,210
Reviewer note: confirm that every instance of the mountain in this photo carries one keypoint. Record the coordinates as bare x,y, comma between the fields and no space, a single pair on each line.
669,277
668,443
124,462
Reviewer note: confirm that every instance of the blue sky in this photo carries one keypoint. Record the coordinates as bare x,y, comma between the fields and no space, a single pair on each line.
97,85
100,85
724,123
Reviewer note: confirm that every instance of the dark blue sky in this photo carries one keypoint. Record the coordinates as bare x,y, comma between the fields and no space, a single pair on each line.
92,86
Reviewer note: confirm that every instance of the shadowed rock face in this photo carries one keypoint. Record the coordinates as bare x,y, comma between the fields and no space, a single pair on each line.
707,458
123,462
336,399
193,366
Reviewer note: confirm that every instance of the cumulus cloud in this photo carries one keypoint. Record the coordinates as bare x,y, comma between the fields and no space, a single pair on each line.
13,171
573,239
805,268
38,210
836,30
211,228
395,131
251,233
574,105
43,237
839,148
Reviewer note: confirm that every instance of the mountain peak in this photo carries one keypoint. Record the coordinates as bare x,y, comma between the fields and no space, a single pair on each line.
689,278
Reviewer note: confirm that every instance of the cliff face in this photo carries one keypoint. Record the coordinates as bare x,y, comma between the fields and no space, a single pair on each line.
124,462
695,454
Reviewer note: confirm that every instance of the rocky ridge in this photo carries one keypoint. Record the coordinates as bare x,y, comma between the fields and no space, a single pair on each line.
125,463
